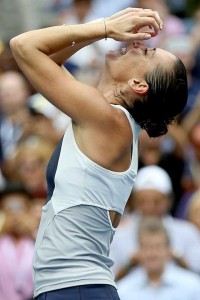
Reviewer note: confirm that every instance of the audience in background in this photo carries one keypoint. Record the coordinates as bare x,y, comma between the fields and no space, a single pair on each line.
167,153
156,277
16,244
14,112
152,196
191,173
14,198
28,164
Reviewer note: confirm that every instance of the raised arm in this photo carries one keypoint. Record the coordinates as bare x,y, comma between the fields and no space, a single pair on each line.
32,51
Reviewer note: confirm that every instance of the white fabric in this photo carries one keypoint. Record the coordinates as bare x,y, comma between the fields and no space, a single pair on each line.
75,232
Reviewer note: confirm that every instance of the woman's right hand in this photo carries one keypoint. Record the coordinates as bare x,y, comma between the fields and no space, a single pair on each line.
127,24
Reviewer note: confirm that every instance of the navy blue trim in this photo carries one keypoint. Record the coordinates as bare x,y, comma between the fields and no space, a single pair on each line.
51,170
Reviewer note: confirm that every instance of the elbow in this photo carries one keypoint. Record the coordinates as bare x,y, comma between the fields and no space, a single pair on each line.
19,46
15,43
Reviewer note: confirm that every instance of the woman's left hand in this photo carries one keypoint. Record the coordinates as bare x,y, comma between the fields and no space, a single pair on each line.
128,24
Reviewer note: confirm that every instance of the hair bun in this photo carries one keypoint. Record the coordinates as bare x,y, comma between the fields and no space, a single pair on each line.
155,128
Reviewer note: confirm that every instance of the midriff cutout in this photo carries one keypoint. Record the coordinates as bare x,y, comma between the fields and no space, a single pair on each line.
115,218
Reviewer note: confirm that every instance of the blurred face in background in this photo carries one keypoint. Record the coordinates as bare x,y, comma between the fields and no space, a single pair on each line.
13,92
18,221
154,251
30,162
31,170
14,203
151,203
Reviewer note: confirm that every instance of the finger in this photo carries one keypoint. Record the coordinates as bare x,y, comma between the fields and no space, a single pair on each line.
150,16
137,36
126,11
147,29
146,21
141,36
153,14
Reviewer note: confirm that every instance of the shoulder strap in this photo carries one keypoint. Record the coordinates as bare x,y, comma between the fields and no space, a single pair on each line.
134,126
135,130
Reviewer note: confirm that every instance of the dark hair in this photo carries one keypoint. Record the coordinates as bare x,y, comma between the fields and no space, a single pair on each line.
166,98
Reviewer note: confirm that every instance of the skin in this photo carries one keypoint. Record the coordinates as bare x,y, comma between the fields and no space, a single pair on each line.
154,253
13,92
137,54
15,202
151,203
102,132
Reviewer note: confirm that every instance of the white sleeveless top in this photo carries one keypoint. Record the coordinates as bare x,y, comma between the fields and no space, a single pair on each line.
73,242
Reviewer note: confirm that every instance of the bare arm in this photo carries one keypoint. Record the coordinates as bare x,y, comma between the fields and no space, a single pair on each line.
32,51
61,56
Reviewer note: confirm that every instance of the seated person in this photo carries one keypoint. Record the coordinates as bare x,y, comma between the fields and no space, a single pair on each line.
152,196
157,278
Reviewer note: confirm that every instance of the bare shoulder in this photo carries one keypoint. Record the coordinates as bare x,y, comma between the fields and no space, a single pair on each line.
109,144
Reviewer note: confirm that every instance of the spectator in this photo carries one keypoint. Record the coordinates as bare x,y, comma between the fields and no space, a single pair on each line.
168,153
152,197
13,110
28,165
157,278
191,174
14,198
16,244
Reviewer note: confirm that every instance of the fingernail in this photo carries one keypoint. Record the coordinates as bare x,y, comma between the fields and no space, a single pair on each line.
147,35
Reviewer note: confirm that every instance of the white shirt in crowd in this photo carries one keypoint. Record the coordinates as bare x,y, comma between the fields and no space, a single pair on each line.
176,284
184,238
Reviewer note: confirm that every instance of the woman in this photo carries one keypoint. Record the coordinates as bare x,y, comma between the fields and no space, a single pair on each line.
92,170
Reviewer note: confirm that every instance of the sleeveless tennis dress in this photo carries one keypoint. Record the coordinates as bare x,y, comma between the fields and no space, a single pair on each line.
75,232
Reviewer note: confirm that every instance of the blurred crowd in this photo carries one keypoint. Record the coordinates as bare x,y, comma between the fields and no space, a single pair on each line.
156,248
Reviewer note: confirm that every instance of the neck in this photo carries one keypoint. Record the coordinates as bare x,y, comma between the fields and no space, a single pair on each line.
112,91
108,90
105,85
155,276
